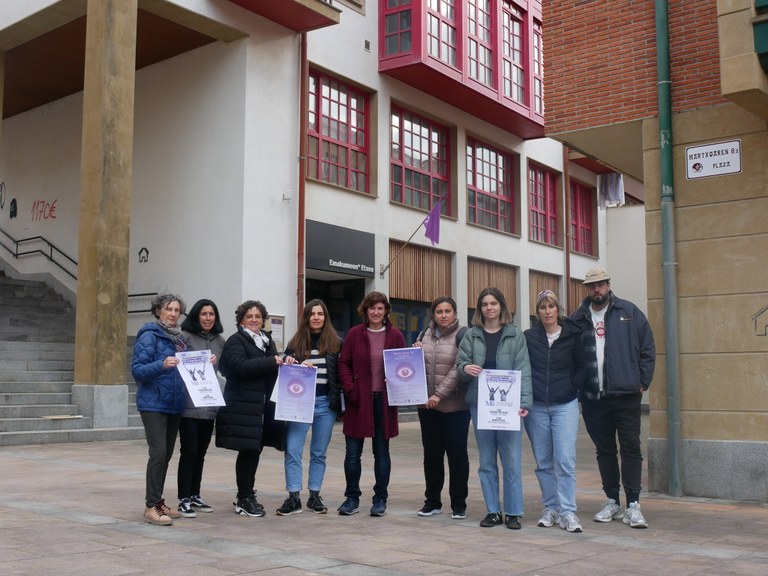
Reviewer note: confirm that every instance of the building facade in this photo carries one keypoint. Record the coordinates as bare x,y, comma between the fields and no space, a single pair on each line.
236,149
708,396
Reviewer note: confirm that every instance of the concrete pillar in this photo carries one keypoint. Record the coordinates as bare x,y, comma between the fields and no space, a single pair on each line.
2,89
105,209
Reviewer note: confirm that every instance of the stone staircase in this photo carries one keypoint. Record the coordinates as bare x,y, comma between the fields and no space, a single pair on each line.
37,334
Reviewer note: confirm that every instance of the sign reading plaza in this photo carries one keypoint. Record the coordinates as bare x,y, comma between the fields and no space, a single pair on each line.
713,159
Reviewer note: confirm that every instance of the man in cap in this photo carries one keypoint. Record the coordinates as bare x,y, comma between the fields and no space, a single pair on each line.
621,354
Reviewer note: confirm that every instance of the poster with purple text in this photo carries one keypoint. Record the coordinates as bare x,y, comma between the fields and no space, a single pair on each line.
406,378
294,393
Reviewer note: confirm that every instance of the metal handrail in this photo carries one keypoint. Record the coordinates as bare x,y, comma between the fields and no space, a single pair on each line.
54,250
50,255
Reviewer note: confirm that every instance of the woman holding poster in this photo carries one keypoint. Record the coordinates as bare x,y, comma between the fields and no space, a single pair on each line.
494,343
316,345
202,331
368,414
249,362
160,397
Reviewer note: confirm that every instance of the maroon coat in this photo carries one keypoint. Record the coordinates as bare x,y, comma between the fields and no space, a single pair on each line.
355,377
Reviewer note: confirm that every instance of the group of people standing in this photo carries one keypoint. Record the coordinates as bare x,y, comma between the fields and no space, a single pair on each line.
601,358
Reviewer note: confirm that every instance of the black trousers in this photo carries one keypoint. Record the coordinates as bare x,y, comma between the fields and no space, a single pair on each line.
606,419
194,438
445,434
160,431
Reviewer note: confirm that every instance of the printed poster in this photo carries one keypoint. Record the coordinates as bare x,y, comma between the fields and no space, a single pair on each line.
294,393
405,375
200,378
498,400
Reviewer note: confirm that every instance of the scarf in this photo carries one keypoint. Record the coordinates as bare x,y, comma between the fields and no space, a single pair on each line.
175,333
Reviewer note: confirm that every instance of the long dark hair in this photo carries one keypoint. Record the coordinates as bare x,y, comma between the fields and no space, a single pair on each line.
191,323
301,343
505,317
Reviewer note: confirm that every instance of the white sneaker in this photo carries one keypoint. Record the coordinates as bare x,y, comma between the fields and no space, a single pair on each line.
609,511
634,516
548,518
570,522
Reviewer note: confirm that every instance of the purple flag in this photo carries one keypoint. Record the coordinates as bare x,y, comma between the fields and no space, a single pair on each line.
432,224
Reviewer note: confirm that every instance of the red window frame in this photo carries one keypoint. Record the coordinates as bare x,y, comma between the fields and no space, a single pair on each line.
538,68
582,202
338,138
398,27
542,204
420,170
442,31
480,38
490,187
513,52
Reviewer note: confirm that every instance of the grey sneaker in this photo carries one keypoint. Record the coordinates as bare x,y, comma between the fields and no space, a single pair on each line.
548,518
609,511
570,522
292,505
634,516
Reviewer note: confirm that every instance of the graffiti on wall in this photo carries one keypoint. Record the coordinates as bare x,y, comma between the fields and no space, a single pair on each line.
43,210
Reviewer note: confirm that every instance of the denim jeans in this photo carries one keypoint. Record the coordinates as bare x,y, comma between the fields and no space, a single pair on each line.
552,430
382,464
506,445
605,419
296,436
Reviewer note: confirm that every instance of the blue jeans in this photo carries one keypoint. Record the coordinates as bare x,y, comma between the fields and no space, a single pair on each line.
552,430
507,445
382,464
296,436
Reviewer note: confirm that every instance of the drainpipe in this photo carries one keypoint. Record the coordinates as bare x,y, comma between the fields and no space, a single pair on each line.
664,87
303,110
566,296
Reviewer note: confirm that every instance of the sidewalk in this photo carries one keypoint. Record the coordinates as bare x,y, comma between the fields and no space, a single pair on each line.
77,509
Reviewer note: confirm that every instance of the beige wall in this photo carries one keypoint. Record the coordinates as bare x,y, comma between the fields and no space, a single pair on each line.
721,243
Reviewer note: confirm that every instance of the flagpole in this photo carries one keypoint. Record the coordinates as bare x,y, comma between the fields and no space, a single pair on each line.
382,268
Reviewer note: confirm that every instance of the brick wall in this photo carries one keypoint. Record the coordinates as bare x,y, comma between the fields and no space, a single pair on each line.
600,60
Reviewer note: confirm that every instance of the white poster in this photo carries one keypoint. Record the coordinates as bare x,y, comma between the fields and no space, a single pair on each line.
294,393
200,377
498,400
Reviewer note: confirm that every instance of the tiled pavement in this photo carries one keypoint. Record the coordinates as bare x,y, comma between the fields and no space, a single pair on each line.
76,509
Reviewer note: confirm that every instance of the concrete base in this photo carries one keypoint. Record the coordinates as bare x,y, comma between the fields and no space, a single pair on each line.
713,468
107,405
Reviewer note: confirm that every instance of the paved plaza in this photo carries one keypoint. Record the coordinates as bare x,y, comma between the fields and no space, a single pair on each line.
77,509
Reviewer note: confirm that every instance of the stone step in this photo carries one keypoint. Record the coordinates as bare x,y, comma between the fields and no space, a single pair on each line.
35,387
62,346
35,424
36,365
37,376
37,410
67,436
37,398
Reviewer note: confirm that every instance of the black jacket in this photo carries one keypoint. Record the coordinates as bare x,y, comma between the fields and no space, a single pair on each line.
630,353
247,422
557,372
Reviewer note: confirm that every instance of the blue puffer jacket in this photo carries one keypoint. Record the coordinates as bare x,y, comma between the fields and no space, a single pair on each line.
159,389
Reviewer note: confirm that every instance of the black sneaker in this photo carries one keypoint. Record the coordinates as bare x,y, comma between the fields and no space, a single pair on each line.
349,507
200,505
512,522
429,510
491,520
185,508
249,506
459,514
292,505
316,504
379,508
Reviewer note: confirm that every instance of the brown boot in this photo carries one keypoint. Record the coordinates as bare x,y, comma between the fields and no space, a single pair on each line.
170,512
156,515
